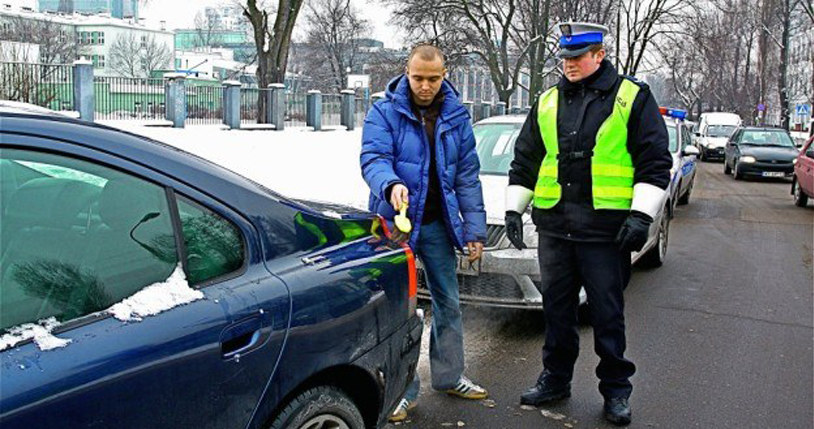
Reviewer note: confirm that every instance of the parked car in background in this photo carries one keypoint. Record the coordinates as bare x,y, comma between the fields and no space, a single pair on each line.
802,184
144,287
505,276
714,130
684,155
760,152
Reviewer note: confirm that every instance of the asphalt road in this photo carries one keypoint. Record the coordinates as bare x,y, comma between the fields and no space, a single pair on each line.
721,334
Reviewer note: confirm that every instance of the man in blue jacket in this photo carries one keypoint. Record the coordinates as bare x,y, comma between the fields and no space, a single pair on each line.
418,148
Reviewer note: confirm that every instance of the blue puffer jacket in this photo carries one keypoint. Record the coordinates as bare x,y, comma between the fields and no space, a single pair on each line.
395,149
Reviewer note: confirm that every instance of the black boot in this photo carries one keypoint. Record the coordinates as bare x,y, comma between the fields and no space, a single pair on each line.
617,411
545,390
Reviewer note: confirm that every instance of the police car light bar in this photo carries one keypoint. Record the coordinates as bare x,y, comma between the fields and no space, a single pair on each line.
673,113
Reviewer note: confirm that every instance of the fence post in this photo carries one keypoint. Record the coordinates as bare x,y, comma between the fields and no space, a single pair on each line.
470,108
83,98
313,110
348,108
276,109
485,110
176,99
231,104
500,110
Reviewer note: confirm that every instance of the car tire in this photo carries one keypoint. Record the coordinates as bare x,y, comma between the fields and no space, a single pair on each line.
736,171
727,170
657,254
323,406
702,156
800,197
685,199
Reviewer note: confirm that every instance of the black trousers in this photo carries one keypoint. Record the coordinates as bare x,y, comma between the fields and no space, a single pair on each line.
604,271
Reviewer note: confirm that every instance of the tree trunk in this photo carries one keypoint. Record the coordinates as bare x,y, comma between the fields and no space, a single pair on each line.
784,61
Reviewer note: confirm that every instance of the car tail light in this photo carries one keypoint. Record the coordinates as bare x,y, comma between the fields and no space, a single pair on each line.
412,273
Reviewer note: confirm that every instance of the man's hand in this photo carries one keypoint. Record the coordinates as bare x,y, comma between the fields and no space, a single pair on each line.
633,234
475,250
514,229
398,196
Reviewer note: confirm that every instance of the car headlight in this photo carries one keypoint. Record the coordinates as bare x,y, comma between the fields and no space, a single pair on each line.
530,236
747,159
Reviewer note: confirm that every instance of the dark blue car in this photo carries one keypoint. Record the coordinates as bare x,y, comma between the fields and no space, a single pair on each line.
144,287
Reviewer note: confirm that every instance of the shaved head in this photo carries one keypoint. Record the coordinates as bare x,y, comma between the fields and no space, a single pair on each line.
426,52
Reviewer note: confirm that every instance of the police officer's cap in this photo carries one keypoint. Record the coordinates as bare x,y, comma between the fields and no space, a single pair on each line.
576,38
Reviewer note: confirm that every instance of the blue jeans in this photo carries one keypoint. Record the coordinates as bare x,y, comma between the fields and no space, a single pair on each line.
437,254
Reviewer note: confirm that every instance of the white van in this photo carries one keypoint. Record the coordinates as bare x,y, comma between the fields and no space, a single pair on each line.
714,129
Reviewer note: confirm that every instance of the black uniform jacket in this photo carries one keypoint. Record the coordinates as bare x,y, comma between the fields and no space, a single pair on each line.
582,108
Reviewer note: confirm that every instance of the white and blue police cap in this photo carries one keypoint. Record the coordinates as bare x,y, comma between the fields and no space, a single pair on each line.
576,38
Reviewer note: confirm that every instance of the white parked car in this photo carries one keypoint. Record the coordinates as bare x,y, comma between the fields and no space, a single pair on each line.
714,130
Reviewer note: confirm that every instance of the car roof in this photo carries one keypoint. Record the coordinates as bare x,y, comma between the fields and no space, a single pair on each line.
209,178
503,119
755,128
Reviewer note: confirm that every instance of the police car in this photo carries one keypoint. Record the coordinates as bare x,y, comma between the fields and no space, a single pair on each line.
507,277
682,174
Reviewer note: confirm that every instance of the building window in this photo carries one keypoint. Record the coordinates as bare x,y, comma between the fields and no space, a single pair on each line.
93,38
101,37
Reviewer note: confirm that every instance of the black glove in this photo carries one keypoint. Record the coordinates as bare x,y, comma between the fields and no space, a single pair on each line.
633,234
514,229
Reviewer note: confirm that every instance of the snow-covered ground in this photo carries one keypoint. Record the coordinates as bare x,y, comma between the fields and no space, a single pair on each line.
296,162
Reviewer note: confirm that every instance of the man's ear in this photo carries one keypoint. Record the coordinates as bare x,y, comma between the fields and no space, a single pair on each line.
444,73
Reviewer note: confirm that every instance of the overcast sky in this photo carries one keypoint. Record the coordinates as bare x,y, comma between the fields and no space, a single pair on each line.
181,14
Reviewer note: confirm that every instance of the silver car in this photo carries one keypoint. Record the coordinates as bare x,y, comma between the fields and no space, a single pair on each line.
505,276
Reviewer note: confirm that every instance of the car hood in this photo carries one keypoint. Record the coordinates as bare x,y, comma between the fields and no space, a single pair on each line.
494,197
770,153
714,141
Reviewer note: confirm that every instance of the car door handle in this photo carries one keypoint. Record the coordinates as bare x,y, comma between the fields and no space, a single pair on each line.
241,337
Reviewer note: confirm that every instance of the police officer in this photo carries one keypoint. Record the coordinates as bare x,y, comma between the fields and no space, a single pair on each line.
592,158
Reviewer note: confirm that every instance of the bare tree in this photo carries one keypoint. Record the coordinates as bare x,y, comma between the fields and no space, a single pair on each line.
641,23
272,39
132,57
57,43
335,29
383,66
206,30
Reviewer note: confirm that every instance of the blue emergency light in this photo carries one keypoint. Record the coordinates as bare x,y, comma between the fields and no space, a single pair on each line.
673,113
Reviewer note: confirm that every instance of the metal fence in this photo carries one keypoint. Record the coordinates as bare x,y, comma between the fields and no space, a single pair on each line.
46,85
249,105
295,106
128,98
204,104
360,111
331,107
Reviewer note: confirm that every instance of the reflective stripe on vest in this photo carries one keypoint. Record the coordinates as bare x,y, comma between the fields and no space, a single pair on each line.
611,164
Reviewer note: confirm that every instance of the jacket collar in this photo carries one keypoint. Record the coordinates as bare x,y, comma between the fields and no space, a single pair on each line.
603,79
452,111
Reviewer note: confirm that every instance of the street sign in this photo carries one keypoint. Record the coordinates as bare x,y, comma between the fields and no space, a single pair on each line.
802,110
761,107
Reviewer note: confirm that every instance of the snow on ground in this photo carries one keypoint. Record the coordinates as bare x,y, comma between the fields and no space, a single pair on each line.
156,298
295,162
40,332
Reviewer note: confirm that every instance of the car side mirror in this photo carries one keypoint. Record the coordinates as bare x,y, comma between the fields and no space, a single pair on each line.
690,151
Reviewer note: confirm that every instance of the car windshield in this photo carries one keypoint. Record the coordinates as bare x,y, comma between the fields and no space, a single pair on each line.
672,132
766,138
720,130
495,146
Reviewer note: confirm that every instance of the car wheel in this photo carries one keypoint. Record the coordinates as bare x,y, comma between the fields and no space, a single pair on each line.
727,170
320,408
657,254
702,156
800,197
736,171
685,199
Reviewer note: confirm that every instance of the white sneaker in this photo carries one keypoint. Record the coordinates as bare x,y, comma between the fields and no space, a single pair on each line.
400,413
468,390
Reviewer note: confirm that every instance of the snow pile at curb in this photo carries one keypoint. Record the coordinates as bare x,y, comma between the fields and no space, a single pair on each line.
40,332
156,298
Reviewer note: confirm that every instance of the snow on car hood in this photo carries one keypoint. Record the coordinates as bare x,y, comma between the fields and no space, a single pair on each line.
494,197
156,298
714,142
40,332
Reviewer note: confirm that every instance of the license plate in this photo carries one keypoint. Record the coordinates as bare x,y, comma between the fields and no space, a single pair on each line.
467,269
774,174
